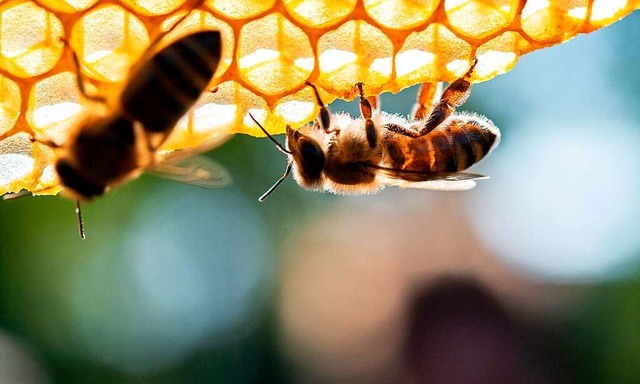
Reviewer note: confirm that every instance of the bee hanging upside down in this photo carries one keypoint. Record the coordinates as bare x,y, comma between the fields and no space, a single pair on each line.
116,139
343,155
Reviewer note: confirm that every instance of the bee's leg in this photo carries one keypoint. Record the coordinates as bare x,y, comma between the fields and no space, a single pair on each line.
324,118
80,221
367,111
156,40
428,96
454,96
44,141
79,77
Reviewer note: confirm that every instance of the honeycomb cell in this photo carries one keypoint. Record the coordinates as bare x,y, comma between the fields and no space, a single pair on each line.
319,13
499,55
199,21
355,52
207,122
274,55
604,12
10,103
240,9
107,56
67,6
400,14
299,108
434,54
554,21
29,39
53,104
217,113
17,163
480,18
153,7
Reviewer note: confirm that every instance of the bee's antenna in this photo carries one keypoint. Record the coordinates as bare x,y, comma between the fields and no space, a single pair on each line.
276,185
80,221
278,145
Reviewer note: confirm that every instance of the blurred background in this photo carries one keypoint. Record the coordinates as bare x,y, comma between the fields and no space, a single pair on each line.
531,277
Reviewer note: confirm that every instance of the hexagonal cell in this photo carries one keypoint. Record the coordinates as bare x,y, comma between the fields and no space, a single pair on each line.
10,103
605,12
274,55
299,108
432,55
153,7
217,113
108,55
53,104
556,21
199,21
355,52
16,163
499,55
319,13
67,6
240,9
400,14
29,39
480,18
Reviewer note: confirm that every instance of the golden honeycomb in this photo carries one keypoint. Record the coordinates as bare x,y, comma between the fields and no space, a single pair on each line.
271,47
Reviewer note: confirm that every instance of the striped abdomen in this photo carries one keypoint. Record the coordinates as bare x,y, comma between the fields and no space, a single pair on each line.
163,89
454,146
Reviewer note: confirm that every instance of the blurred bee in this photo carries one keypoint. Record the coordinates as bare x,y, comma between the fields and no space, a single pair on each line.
115,140
343,155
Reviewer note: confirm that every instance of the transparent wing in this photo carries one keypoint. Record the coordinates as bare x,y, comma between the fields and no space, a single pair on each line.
200,171
16,195
440,181
178,155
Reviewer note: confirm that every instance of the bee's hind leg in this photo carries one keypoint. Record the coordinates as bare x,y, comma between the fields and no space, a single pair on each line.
366,109
453,96
428,96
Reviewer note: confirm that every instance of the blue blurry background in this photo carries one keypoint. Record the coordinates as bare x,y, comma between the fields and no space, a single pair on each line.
530,277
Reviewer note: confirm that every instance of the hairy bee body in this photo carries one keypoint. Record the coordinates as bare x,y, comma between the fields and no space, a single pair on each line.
114,143
345,155
452,147
353,166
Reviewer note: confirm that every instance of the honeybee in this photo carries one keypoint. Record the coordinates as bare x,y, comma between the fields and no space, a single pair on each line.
343,155
115,140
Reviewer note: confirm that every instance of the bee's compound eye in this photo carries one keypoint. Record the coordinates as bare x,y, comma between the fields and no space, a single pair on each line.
312,156
73,180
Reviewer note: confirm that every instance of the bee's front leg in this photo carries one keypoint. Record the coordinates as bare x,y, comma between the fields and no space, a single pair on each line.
79,76
151,47
367,111
453,96
324,118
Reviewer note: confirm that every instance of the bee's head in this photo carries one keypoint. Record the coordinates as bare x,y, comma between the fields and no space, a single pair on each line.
80,186
304,155
308,158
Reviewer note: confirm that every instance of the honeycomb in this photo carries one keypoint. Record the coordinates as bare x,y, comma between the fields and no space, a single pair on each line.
271,47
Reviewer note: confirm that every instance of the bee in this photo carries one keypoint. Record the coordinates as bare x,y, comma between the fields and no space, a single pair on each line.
343,155
114,141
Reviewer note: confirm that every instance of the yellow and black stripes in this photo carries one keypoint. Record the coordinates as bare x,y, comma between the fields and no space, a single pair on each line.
461,143
453,147
160,92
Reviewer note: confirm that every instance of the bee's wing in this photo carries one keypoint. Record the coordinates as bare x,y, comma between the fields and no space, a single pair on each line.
441,181
200,171
16,195
187,166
